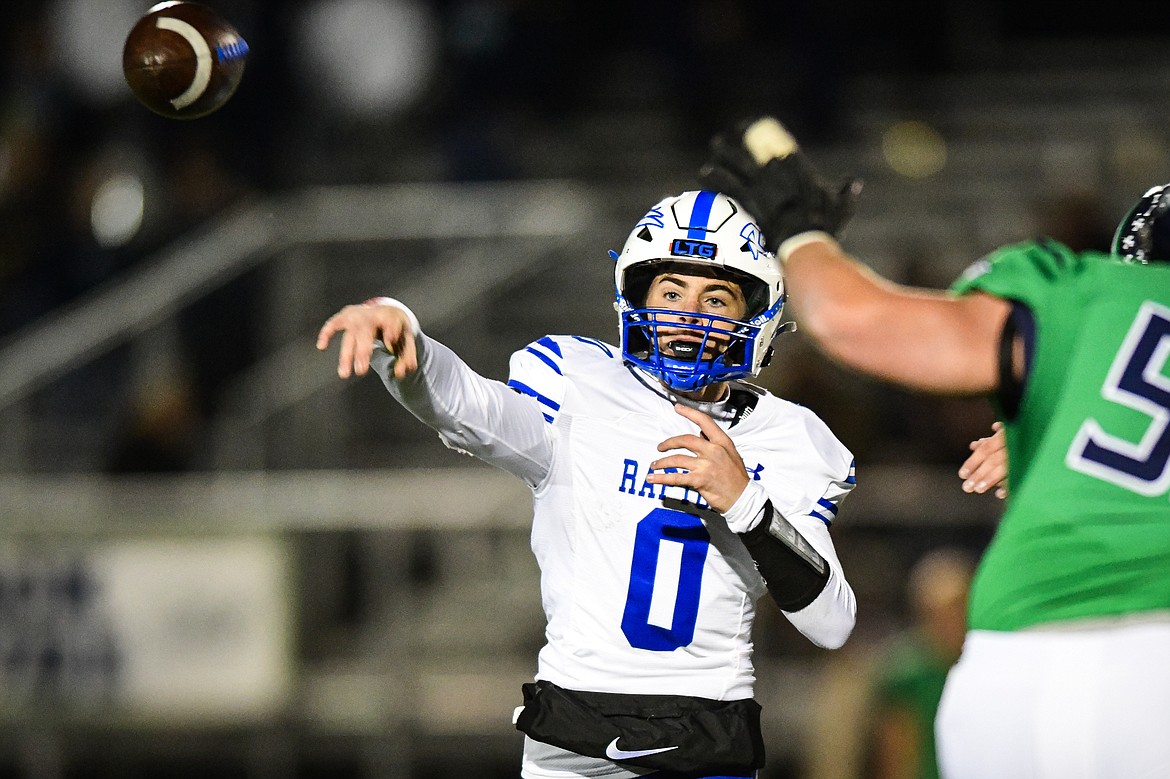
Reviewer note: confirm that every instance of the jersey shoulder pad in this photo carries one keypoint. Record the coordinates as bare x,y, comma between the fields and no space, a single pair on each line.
542,368
816,470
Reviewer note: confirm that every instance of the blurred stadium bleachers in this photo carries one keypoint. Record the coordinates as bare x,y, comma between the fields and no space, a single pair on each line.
217,559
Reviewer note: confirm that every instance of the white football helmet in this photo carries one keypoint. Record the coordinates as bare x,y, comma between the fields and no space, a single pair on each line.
711,234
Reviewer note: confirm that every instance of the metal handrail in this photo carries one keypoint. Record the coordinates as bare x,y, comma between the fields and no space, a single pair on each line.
256,231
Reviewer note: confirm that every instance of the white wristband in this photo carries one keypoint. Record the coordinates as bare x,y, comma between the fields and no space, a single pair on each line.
748,509
789,245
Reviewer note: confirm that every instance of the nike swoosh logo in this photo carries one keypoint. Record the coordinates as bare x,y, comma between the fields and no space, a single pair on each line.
614,753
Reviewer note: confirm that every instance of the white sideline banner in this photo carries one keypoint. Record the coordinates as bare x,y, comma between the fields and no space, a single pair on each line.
202,625
170,631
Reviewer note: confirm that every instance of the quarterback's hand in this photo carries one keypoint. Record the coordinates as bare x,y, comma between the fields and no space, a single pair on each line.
364,324
715,471
987,466
760,165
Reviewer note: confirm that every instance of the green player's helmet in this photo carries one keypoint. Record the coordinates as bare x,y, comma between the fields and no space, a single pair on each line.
1144,234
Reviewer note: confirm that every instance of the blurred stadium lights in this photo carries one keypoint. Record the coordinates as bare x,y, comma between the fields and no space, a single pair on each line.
119,195
117,209
87,38
914,149
368,58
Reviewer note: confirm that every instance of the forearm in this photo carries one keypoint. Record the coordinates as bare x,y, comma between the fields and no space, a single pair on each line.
471,413
927,340
829,619
799,565
922,339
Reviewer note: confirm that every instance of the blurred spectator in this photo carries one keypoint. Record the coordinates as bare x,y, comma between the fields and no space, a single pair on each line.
160,435
911,674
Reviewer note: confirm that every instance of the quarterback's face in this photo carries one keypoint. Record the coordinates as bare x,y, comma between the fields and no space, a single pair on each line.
692,297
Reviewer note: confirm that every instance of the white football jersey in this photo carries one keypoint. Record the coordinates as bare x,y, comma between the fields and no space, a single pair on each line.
641,596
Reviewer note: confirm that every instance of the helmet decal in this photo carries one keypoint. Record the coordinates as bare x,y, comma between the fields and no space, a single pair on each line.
654,218
754,240
1144,234
686,247
771,313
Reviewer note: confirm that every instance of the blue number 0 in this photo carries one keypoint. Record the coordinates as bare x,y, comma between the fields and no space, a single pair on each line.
1137,380
659,527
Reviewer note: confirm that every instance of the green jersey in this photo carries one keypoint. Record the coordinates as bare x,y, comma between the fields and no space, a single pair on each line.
1086,532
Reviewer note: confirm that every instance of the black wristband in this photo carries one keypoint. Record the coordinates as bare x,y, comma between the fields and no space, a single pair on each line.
794,572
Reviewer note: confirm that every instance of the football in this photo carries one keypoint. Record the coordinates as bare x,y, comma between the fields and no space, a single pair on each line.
183,60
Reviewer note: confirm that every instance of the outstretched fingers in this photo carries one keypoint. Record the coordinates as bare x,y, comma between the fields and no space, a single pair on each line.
340,323
360,327
987,466
327,331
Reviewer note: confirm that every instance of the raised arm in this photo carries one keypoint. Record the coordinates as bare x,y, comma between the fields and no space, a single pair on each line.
922,339
472,414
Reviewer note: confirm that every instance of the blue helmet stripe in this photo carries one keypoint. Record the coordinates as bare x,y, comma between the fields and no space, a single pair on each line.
701,214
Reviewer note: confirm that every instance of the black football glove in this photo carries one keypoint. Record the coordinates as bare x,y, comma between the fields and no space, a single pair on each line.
759,165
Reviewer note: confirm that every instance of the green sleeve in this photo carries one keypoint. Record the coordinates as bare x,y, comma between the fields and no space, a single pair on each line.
1027,272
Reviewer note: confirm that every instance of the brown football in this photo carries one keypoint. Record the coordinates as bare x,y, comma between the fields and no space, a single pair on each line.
182,60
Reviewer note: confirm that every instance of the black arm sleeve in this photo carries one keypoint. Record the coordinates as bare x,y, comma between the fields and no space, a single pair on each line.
1013,377
794,572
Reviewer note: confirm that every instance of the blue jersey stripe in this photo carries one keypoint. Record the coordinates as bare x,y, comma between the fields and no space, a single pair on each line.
545,359
594,342
828,504
822,517
551,345
520,386
701,214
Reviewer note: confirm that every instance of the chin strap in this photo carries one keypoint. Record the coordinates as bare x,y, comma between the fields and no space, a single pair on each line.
720,409
716,409
735,406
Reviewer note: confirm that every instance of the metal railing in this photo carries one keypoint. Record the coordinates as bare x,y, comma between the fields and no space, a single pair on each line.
526,223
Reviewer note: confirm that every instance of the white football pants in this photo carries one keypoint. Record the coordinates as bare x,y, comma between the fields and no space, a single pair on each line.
1084,702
